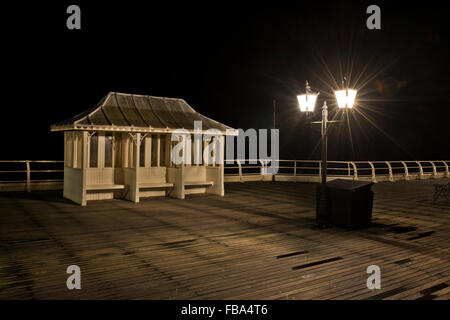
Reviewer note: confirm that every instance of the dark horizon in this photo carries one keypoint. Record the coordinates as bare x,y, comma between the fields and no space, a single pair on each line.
229,63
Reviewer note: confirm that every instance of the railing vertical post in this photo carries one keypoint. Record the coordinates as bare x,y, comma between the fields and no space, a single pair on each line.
447,173
320,171
28,176
263,171
434,169
391,175
420,170
272,164
348,169
240,170
355,171
295,170
374,177
406,170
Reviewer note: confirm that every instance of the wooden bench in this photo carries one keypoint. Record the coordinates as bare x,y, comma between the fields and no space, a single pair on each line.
441,190
151,189
105,187
198,183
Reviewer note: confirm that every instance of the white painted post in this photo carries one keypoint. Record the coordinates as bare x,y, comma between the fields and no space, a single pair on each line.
182,170
391,175
262,172
133,166
447,173
420,170
86,146
197,152
406,170
240,170
320,171
434,170
75,163
137,145
295,170
158,154
374,178
168,151
205,144
101,152
222,166
355,171
126,150
131,153
177,177
214,144
28,176
71,150
65,149
148,148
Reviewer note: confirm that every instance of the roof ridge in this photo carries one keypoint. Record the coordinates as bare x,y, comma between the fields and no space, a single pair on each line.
144,95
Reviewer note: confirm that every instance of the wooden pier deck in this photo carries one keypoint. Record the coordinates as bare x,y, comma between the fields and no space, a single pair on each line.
257,242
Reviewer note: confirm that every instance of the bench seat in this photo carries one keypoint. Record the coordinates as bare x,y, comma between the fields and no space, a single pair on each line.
155,185
198,183
105,187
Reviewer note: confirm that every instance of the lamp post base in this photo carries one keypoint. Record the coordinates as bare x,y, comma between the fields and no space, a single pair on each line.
323,214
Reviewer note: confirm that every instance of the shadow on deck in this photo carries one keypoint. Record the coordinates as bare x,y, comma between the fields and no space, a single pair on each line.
257,242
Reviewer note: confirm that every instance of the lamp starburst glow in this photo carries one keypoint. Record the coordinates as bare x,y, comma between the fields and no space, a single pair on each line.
345,98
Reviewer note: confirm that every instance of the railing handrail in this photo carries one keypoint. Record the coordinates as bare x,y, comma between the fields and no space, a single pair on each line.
376,170
24,161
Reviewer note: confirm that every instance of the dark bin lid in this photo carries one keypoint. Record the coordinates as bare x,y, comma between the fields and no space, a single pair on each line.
347,184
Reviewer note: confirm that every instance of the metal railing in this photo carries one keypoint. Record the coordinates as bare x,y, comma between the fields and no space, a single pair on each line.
43,174
310,170
25,174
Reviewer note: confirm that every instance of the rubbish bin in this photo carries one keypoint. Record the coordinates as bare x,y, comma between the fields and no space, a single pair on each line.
350,203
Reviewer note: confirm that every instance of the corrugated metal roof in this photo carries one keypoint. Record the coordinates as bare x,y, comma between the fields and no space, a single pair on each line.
140,113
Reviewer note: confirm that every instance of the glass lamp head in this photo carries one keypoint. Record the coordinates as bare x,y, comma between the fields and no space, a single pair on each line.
345,98
308,100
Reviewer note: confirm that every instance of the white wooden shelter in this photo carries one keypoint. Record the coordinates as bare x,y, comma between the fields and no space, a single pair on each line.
121,148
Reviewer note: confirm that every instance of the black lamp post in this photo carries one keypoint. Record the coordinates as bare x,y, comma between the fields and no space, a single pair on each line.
307,101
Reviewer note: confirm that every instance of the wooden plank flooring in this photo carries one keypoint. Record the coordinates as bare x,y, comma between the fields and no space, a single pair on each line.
257,242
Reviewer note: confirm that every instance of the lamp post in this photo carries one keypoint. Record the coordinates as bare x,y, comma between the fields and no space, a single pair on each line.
307,101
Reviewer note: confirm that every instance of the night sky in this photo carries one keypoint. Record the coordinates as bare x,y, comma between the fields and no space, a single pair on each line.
229,61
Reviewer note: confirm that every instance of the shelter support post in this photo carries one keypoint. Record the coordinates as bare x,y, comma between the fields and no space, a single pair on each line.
133,171
175,175
84,166
216,172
